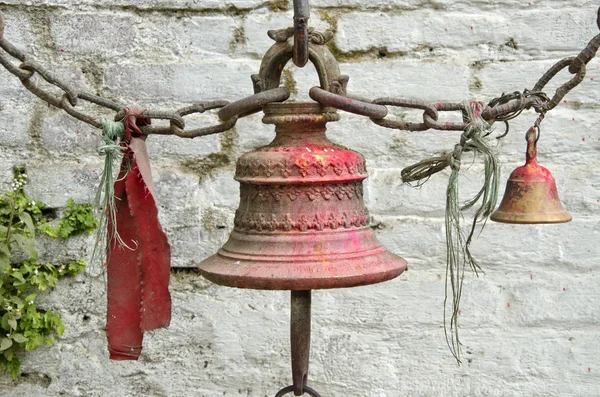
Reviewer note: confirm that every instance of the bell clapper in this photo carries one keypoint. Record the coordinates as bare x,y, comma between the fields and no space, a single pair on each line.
300,338
300,342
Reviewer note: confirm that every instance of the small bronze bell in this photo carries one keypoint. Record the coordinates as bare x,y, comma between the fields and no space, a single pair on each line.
531,195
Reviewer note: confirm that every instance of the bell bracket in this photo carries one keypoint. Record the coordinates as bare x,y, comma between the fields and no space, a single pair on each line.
280,53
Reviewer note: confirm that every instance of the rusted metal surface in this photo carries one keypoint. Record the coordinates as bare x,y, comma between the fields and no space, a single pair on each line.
300,43
566,87
301,223
253,103
347,104
531,195
301,16
307,390
300,339
281,52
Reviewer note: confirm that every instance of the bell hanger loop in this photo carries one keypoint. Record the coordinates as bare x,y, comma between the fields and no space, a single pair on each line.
532,137
301,36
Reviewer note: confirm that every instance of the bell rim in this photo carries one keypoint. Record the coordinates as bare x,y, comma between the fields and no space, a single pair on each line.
528,218
373,269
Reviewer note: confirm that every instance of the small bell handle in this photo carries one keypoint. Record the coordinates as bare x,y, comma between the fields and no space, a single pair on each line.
532,138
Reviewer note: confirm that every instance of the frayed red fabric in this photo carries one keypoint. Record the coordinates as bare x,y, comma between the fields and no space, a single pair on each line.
137,272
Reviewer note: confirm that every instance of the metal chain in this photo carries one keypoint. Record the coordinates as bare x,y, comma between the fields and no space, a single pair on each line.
503,108
69,98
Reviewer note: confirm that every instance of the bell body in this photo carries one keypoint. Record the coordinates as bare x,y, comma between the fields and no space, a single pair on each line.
531,195
301,222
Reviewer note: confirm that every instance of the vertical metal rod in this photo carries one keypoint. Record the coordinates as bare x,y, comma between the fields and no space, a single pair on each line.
300,339
301,16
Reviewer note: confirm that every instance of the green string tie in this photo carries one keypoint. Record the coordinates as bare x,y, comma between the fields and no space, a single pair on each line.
104,202
474,139
458,254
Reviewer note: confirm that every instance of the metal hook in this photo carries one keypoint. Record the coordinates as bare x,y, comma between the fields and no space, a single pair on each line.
301,36
289,389
506,131
537,126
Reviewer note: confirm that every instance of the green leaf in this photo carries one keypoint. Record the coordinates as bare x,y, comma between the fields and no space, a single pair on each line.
30,298
19,338
14,367
5,343
25,244
12,322
35,340
45,228
9,354
4,262
20,279
26,219
4,322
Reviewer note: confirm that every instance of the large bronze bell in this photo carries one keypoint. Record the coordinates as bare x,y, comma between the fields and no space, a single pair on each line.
301,223
531,195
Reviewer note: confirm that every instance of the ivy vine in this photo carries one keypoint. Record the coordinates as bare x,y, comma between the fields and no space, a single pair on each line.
23,325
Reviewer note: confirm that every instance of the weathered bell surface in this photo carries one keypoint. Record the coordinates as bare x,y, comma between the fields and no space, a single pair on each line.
301,223
531,195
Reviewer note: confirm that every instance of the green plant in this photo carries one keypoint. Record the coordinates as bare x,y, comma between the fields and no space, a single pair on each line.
78,219
24,326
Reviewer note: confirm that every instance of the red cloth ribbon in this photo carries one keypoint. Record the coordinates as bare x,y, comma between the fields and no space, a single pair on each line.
137,273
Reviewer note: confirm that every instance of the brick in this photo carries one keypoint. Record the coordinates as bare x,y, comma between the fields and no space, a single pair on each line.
148,4
13,131
361,31
67,136
253,133
90,34
181,82
183,38
408,79
515,76
54,183
160,145
458,30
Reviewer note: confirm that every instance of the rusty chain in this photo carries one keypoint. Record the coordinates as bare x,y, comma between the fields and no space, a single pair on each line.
70,96
503,108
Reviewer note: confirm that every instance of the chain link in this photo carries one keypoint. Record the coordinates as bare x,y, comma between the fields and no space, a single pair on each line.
503,108
69,97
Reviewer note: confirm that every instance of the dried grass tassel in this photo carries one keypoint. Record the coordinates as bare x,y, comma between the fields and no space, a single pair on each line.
104,201
458,257
458,244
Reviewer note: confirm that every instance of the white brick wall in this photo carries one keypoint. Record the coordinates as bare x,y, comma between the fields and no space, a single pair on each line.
530,325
